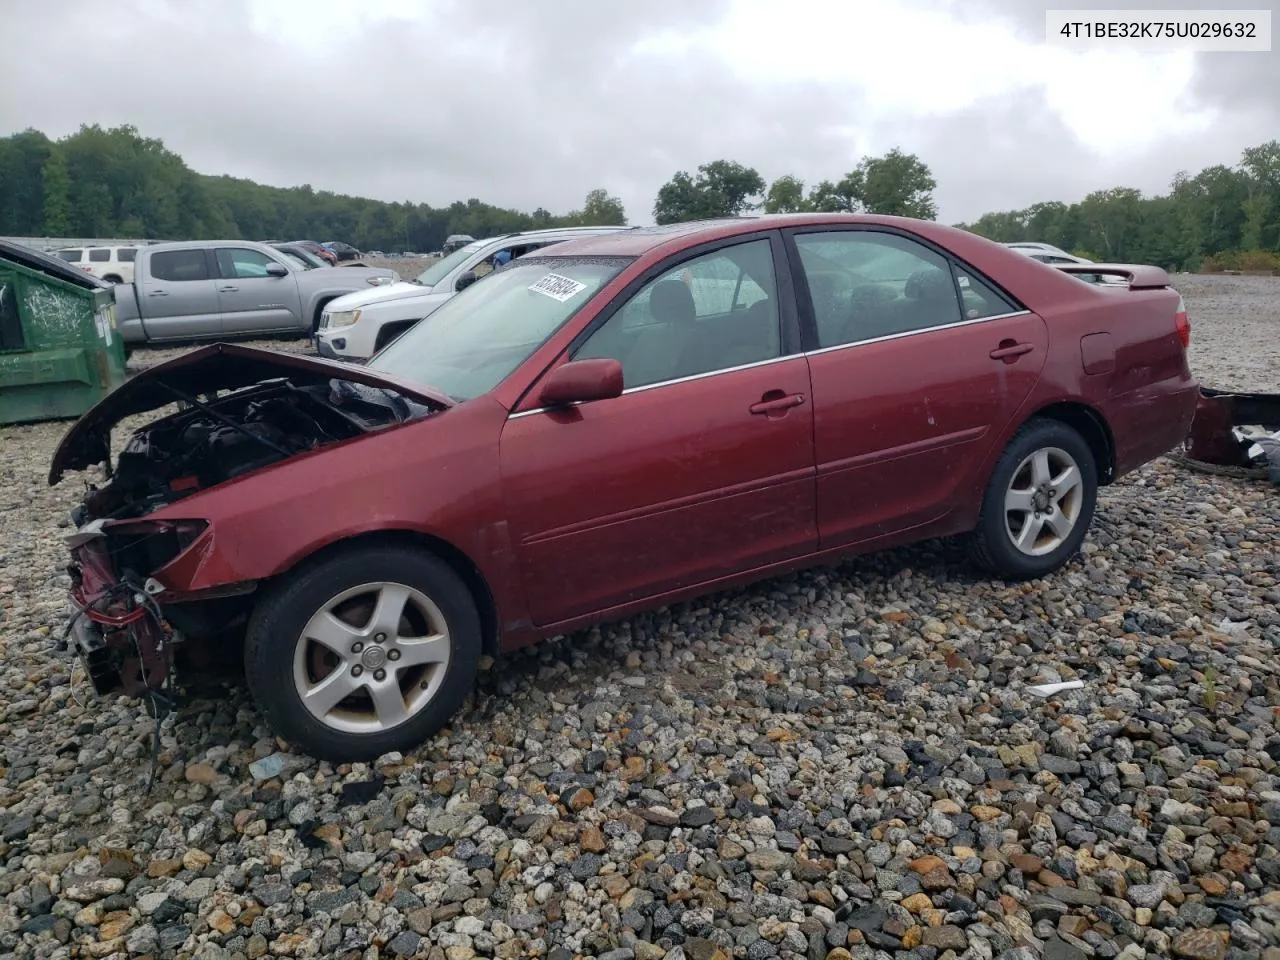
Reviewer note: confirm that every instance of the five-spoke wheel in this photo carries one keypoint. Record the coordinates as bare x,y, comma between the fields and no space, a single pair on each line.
1043,501
363,652
1038,503
371,657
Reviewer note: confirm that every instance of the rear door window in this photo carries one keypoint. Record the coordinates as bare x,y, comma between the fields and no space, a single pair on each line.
866,284
179,265
100,255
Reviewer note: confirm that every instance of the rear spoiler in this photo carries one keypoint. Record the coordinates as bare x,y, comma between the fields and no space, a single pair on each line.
1140,276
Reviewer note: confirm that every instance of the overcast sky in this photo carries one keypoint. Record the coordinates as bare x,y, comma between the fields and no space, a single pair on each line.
529,103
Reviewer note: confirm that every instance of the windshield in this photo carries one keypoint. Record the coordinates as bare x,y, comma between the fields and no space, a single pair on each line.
473,341
440,269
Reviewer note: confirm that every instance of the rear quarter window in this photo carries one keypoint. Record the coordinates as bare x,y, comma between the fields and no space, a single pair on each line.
126,254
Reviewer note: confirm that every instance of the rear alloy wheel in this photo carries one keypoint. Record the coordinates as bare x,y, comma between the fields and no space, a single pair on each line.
367,652
1038,504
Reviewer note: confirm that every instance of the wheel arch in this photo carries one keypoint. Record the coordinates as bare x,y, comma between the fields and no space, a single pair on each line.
1092,427
457,560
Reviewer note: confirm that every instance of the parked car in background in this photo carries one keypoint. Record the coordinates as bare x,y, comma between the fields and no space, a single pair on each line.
343,251
301,255
355,327
456,241
317,249
111,264
204,290
606,426
1046,253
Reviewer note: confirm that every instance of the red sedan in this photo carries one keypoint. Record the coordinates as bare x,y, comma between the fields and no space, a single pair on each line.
613,424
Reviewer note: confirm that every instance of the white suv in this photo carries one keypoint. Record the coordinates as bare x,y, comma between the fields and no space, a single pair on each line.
358,325
112,264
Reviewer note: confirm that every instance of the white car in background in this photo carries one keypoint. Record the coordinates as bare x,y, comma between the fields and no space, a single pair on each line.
358,325
1046,252
110,264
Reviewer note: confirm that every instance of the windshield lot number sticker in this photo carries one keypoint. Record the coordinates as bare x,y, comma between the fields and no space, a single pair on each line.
557,287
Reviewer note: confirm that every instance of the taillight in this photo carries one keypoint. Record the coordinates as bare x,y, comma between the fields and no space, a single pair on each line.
1182,324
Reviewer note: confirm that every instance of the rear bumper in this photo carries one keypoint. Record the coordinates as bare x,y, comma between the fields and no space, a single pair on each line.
1217,412
1151,422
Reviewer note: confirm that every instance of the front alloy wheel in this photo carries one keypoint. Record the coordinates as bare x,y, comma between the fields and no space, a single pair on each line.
363,652
371,657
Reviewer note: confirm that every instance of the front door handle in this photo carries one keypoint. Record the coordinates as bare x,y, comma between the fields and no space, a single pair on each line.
228,289
1010,350
776,402
158,293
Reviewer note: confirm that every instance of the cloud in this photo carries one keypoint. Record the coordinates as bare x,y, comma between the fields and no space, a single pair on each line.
534,103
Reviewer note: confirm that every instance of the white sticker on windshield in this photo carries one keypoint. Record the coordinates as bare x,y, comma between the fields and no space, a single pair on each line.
557,287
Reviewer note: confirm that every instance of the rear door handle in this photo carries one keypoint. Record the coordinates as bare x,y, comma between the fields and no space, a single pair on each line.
228,289
776,402
1010,350
158,293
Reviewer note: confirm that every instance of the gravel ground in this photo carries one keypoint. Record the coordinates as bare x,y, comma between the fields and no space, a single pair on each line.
842,763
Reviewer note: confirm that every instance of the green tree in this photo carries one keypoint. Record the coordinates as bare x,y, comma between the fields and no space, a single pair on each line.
22,160
1261,167
722,189
842,197
1110,220
57,195
602,210
897,184
786,195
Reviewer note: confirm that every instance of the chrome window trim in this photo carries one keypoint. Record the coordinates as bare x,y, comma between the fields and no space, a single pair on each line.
916,333
790,356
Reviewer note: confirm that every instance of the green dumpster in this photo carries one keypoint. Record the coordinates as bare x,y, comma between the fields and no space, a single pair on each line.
60,352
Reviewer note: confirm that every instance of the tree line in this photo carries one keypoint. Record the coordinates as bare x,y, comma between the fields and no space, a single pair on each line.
1222,218
115,182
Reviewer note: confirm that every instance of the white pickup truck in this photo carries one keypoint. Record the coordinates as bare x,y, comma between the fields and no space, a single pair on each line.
212,289
357,326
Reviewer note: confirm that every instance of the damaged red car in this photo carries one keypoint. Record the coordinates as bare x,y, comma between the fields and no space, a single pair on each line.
610,425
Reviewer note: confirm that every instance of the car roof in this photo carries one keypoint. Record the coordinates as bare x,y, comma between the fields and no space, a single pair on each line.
569,233
199,244
638,241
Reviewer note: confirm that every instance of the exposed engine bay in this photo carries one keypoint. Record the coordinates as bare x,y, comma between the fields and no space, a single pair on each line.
208,442
128,639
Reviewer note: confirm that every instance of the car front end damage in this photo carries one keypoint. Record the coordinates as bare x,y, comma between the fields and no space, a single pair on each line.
141,542
118,630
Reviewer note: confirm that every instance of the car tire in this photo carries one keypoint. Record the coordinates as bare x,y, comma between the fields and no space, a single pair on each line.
1038,504
337,672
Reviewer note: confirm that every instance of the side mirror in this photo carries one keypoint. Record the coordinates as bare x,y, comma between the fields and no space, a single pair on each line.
581,381
466,280
277,270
